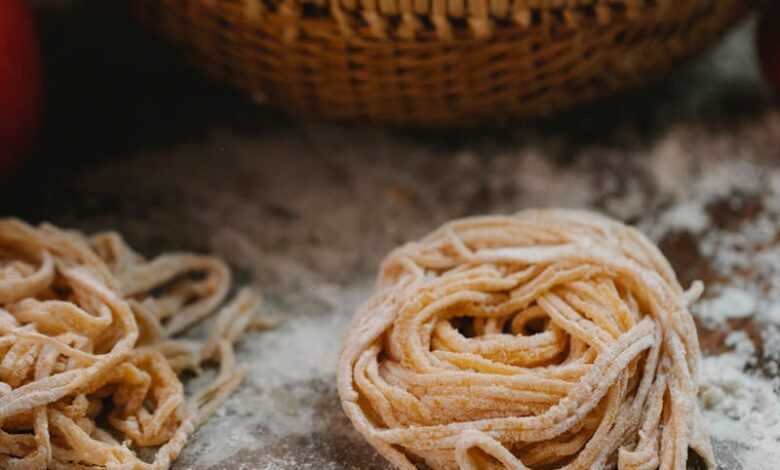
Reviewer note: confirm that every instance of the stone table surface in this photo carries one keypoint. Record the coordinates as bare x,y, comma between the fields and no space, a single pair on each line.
306,211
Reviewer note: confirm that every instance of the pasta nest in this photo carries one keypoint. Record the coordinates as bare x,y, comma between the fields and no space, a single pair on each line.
90,353
550,339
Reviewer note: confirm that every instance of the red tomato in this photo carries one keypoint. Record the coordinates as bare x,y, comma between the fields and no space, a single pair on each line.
769,44
20,81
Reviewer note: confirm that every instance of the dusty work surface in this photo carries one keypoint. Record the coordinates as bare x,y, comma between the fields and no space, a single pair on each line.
307,212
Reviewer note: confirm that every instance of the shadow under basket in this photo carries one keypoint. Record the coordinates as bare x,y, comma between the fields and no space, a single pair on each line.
436,62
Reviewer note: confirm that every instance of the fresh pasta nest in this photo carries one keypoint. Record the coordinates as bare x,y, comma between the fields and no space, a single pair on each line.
550,339
89,354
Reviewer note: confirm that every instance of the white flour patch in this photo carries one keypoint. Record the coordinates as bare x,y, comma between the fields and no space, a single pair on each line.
770,336
738,399
286,365
731,302
741,408
689,216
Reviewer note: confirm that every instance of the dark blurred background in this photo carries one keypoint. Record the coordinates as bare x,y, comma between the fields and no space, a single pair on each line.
117,92
113,88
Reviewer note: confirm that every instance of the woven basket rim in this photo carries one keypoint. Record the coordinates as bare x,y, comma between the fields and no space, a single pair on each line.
452,20
308,62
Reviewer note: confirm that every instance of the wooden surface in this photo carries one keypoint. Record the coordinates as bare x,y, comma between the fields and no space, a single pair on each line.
138,143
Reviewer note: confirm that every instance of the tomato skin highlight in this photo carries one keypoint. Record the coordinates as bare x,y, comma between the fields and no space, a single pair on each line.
21,88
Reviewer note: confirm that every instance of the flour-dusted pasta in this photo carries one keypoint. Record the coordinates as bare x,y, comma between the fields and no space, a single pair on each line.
548,339
88,359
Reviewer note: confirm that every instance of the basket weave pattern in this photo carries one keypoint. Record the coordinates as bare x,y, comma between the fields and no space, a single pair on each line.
436,61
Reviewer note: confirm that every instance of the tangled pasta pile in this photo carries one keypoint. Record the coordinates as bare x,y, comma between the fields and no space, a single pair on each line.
89,361
551,339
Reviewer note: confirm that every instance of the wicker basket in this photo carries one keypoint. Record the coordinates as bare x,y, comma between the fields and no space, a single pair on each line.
436,61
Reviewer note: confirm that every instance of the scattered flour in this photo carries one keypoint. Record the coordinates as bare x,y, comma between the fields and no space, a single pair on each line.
690,216
740,407
731,302
770,337
772,313
739,390
747,259
287,367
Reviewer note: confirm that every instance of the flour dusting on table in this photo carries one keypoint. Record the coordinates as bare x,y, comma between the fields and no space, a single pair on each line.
736,216
741,407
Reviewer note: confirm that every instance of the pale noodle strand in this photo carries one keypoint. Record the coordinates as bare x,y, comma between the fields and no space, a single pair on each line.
551,339
88,361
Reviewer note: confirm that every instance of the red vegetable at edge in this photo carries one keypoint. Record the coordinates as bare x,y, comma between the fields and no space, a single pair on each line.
768,42
20,82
